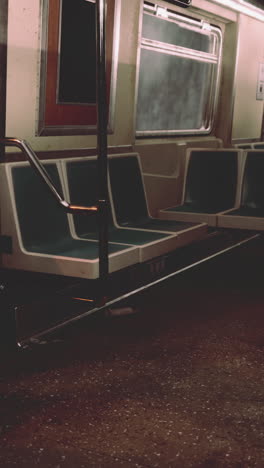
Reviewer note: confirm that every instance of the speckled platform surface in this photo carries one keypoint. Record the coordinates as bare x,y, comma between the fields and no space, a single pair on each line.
179,384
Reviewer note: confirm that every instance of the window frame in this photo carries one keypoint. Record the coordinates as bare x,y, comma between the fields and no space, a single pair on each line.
53,117
145,43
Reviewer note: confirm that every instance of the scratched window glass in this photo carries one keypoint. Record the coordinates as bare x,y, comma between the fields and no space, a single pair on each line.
178,75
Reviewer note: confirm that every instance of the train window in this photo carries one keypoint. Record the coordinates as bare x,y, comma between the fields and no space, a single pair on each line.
178,74
68,68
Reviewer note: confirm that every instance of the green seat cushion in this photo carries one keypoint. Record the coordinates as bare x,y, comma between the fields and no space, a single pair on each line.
74,248
43,223
245,146
252,197
41,219
83,186
130,200
127,190
130,236
163,225
194,208
247,211
211,181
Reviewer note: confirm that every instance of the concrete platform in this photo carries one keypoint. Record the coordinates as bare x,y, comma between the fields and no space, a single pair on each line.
180,384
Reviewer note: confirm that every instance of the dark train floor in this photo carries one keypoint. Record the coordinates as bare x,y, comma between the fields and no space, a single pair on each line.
179,384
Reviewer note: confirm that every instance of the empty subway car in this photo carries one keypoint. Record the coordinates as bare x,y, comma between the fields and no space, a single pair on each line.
131,149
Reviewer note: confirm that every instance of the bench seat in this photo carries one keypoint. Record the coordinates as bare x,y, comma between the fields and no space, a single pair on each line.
250,213
130,203
210,185
80,182
39,228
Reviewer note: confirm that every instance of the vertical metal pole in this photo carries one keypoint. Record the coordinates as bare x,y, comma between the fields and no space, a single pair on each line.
102,120
3,71
3,74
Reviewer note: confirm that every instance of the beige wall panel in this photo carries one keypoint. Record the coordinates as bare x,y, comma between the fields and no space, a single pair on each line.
129,30
162,166
211,10
202,8
23,77
248,111
23,32
223,124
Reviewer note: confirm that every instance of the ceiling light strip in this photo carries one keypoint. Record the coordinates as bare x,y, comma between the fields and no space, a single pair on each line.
242,7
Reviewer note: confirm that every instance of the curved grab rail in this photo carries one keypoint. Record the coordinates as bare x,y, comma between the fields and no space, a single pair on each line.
41,171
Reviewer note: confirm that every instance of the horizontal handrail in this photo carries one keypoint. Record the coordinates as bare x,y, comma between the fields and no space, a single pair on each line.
25,147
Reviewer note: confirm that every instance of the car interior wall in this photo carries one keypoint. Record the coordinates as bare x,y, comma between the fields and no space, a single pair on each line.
24,56
223,124
24,44
248,111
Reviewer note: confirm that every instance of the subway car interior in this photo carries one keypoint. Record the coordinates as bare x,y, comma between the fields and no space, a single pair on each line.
131,233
